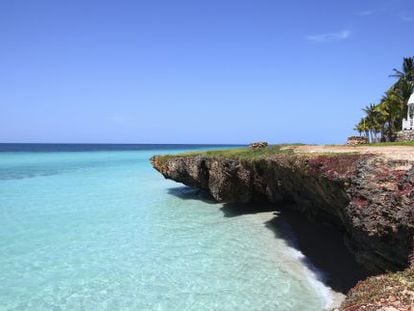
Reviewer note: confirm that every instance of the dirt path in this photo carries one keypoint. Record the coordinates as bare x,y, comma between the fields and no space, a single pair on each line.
391,152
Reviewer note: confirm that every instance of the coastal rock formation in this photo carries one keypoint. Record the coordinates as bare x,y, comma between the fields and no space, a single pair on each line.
369,197
392,291
356,140
258,145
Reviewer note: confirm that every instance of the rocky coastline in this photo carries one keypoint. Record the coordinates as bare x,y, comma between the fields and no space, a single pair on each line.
368,197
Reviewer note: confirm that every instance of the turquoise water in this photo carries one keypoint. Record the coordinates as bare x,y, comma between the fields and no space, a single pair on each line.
101,230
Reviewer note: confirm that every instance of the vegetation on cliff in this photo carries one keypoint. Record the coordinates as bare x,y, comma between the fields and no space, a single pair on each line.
246,153
383,120
240,153
285,149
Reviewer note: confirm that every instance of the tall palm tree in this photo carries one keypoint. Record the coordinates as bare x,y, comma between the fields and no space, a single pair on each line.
358,128
386,117
407,72
404,87
370,121
392,110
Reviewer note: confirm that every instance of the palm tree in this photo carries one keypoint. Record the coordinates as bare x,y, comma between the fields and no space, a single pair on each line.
407,72
372,122
369,120
405,83
404,87
362,128
358,128
386,117
391,108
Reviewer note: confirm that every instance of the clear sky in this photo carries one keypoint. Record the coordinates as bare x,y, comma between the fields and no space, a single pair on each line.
211,71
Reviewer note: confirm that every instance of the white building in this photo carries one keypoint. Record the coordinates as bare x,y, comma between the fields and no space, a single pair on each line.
408,124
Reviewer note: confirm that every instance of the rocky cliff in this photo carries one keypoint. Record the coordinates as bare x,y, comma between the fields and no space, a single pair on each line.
369,197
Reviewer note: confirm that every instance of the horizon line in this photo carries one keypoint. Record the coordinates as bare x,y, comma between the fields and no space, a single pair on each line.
152,144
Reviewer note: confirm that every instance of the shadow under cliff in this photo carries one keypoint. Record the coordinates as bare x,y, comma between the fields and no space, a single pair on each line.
322,244
238,209
188,193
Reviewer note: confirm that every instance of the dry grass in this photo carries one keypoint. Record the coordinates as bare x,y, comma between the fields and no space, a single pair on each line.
241,153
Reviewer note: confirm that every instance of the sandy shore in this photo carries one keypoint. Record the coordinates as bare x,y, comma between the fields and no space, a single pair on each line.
294,259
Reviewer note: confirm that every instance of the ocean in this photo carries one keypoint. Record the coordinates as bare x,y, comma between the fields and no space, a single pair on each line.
95,227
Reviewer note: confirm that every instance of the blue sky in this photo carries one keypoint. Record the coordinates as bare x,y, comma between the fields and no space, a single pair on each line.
217,71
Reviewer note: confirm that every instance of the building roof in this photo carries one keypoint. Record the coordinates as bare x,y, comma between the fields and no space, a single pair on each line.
411,100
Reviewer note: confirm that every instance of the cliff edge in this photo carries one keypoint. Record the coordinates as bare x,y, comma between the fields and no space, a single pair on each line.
368,195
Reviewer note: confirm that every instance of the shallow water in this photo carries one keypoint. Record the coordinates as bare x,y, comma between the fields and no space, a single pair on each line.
102,230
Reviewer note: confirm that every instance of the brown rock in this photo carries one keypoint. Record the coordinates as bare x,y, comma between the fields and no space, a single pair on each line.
357,140
258,145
